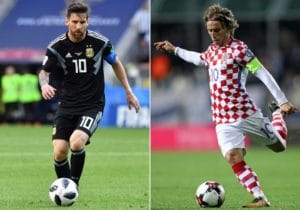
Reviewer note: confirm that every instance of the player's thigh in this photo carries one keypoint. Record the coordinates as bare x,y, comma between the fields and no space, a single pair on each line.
89,122
259,128
229,137
63,126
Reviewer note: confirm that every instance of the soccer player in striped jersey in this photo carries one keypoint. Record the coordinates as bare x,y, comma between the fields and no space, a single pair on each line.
73,69
228,61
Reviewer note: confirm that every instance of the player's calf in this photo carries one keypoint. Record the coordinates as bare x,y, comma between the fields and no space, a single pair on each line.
279,125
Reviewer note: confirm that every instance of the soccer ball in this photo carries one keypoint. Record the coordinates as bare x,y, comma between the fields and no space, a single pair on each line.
63,192
210,194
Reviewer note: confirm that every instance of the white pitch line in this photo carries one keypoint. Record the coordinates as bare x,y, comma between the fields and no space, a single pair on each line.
109,154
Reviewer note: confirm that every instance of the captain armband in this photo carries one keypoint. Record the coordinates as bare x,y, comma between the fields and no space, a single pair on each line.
111,57
254,65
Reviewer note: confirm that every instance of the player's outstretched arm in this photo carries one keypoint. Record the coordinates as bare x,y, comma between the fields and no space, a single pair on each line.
265,76
186,55
48,91
121,74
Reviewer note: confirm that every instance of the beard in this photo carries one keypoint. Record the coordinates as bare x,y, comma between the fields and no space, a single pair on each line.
78,34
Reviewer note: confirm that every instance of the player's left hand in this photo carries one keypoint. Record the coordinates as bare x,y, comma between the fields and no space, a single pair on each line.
133,101
287,108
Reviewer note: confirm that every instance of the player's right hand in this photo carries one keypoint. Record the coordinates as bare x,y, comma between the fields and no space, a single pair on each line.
288,108
165,46
48,91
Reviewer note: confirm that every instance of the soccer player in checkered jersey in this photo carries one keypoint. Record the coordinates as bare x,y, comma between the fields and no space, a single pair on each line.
73,69
228,61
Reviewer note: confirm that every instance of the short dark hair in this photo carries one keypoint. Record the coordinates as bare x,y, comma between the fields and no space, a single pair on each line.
217,13
78,7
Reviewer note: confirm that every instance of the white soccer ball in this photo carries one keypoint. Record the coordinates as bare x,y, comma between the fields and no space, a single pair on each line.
210,194
63,192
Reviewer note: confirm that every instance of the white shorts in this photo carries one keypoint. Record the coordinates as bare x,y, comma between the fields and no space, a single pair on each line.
257,127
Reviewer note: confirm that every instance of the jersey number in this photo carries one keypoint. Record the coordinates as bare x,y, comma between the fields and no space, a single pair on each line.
86,122
215,74
80,65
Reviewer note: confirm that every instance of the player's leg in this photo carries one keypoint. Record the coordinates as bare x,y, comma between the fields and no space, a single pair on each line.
87,125
279,128
231,142
61,163
78,141
263,131
62,130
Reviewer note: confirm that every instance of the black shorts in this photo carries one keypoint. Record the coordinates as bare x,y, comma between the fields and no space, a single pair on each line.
65,124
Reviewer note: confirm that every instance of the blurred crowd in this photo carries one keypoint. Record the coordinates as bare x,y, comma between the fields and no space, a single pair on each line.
138,60
20,95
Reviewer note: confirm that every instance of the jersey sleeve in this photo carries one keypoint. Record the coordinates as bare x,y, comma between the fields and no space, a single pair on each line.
190,56
49,62
109,54
243,55
264,75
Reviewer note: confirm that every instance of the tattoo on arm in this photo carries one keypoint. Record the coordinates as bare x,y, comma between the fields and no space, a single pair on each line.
43,78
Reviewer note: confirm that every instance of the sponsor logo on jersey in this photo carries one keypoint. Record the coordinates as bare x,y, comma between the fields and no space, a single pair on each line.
68,55
89,52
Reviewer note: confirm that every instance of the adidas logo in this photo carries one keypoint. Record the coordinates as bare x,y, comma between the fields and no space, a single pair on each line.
68,55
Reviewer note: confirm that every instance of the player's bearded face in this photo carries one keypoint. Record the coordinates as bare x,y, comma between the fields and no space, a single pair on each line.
77,23
218,34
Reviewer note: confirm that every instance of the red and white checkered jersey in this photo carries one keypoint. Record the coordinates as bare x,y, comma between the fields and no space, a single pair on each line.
227,74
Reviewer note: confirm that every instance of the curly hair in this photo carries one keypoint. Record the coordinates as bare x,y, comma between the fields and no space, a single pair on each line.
217,13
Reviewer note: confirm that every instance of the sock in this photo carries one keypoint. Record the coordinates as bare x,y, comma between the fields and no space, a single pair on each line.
62,168
279,124
77,163
248,179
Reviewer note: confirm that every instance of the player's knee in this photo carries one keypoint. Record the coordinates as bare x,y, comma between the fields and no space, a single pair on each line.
60,149
60,154
277,147
78,140
234,156
77,145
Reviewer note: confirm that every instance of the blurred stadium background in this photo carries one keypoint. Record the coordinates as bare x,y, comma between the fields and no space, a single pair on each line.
180,104
28,26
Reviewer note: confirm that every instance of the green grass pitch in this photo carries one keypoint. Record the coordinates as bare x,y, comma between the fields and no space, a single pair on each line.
116,173
175,177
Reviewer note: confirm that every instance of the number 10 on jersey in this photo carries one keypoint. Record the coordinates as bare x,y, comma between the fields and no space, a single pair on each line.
80,65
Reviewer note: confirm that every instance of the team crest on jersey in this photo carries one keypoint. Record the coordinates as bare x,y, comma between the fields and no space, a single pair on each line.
224,58
89,52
